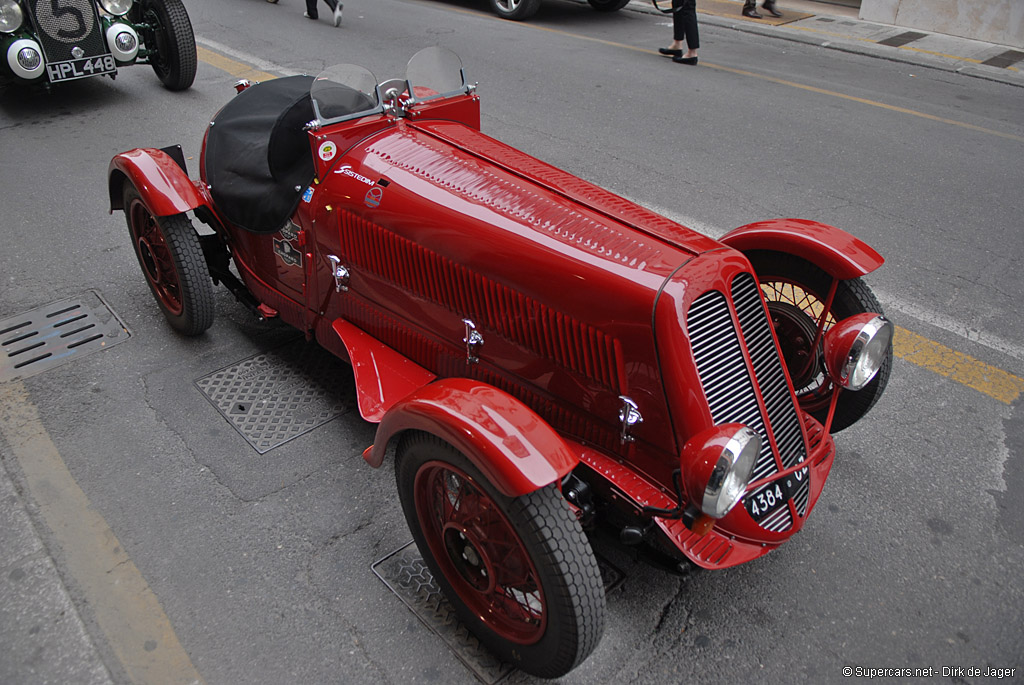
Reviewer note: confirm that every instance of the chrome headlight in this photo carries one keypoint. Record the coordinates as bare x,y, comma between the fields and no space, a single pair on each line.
856,348
25,58
718,463
11,17
123,42
116,7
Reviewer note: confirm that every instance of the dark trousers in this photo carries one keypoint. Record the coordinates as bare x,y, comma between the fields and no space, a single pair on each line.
311,7
684,22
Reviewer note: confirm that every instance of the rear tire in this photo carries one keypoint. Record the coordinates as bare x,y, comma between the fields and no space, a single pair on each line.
172,261
516,10
173,40
519,571
795,291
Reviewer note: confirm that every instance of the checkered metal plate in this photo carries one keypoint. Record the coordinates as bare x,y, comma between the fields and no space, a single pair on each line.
276,396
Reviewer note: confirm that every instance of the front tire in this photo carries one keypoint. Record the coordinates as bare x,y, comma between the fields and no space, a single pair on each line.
519,571
172,261
608,5
796,291
516,10
173,41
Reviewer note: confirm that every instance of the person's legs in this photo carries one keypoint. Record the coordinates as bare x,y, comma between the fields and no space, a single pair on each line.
311,9
335,6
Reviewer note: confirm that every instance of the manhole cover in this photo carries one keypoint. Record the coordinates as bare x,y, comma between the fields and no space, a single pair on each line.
56,333
276,396
405,574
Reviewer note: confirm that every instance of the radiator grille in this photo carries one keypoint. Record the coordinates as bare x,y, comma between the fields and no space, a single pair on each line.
771,379
730,390
61,27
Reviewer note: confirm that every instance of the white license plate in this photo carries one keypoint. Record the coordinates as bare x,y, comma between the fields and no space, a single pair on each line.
80,68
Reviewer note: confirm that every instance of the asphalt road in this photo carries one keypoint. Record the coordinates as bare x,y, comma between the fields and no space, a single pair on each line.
257,566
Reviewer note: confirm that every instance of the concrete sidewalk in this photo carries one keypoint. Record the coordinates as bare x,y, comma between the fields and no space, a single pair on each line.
44,638
837,27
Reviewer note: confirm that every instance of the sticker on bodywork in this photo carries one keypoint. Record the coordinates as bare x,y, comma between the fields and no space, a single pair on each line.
287,252
373,197
327,150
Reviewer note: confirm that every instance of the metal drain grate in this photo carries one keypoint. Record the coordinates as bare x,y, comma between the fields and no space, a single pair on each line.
56,333
405,574
902,39
277,396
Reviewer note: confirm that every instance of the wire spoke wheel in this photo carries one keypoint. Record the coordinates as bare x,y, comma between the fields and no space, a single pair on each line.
477,547
518,571
796,292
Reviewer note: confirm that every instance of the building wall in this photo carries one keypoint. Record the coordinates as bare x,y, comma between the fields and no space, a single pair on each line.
992,21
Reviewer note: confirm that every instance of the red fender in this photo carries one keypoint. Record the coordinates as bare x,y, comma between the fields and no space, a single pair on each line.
842,255
164,187
513,447
383,376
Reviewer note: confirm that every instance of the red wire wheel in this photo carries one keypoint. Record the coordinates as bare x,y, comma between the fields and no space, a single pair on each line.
172,261
480,553
518,571
796,292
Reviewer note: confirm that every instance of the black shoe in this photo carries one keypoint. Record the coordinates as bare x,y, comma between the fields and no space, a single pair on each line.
684,60
752,13
769,7
669,52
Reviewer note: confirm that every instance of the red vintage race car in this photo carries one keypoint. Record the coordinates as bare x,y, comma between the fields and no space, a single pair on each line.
543,358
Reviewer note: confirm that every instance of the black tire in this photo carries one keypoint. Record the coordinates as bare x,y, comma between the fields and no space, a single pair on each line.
552,617
793,287
516,10
172,261
173,42
608,5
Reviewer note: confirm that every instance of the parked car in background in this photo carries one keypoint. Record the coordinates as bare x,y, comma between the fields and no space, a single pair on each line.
46,42
519,10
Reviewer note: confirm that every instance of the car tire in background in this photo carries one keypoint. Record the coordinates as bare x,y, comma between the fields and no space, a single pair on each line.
517,10
173,41
608,5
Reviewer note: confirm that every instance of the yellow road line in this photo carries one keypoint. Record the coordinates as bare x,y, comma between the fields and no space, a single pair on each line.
957,366
127,611
233,67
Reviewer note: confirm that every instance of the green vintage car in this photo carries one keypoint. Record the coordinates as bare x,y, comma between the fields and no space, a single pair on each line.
51,41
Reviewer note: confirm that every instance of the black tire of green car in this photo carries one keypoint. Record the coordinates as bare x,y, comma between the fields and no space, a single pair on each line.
516,10
793,287
519,571
172,261
608,5
172,39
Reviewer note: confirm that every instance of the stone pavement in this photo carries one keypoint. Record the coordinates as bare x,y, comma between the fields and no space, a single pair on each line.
836,26
43,637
